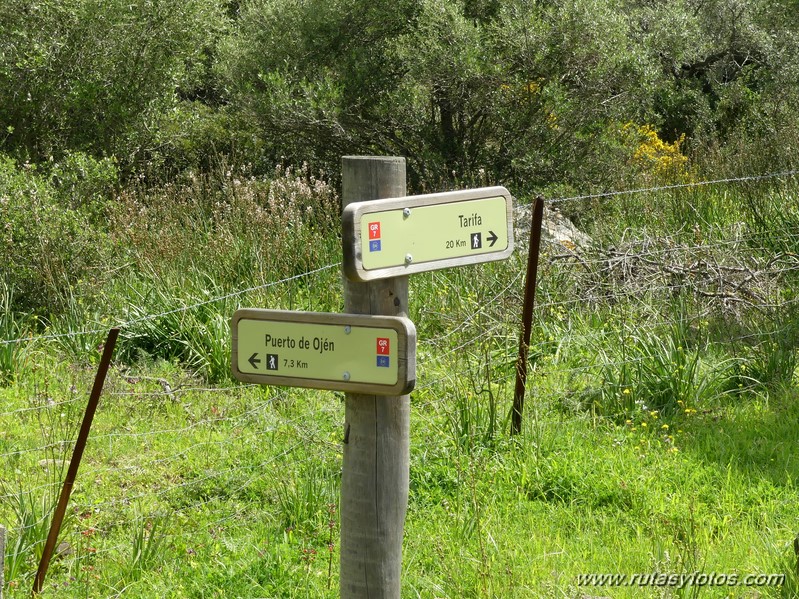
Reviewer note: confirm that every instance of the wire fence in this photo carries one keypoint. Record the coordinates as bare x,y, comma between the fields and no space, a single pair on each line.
274,443
695,184
187,308
605,195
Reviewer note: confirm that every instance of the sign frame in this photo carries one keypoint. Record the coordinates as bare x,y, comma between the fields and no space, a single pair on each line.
352,237
405,351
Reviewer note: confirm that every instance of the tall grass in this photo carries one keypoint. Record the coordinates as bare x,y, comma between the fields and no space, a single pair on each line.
656,371
28,533
657,432
147,546
229,226
12,326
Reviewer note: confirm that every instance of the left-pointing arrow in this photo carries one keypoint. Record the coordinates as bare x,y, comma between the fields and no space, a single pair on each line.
254,361
492,237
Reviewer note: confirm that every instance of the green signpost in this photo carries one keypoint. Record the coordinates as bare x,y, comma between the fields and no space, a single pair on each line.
342,352
400,236
370,353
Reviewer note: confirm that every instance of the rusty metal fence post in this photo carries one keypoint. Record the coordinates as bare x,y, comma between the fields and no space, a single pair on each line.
531,282
2,559
74,464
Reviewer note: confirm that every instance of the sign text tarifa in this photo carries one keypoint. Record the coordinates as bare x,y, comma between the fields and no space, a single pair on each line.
395,237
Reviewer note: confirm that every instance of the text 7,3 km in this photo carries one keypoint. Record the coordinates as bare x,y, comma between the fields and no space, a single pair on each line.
342,352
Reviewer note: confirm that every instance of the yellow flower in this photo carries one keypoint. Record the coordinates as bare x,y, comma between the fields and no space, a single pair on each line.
656,158
665,427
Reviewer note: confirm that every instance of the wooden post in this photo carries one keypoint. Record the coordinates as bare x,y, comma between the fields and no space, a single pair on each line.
375,477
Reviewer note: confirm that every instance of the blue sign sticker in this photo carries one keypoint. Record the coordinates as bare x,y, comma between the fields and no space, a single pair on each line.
383,361
374,245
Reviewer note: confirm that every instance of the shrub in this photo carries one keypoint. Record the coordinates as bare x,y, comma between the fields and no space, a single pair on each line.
94,75
84,183
656,161
242,229
47,249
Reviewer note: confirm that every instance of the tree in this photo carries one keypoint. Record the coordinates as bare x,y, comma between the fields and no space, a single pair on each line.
460,88
97,75
514,91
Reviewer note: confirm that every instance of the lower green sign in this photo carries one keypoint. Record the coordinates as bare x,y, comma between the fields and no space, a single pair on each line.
342,352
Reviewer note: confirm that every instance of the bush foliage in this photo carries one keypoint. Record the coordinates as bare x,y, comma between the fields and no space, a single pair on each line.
102,101
528,93
51,243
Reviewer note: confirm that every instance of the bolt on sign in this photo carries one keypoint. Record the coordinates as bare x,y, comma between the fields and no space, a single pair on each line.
401,236
341,352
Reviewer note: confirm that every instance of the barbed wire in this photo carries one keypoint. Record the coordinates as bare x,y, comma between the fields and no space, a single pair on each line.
612,194
493,332
497,329
609,194
45,406
585,256
150,317
144,519
172,393
91,470
163,491
591,368
610,297
96,438
301,426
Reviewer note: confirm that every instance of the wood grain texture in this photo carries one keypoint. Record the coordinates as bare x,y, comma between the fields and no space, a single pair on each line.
375,475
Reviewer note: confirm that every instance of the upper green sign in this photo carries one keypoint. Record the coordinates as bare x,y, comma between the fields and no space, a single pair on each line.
343,352
399,236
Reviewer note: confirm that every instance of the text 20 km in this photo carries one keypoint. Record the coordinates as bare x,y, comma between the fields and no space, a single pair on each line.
457,243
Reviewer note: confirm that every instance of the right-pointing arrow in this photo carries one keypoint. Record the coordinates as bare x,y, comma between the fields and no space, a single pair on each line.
492,237
254,361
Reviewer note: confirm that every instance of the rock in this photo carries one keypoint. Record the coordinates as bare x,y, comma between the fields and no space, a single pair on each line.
51,464
555,228
63,550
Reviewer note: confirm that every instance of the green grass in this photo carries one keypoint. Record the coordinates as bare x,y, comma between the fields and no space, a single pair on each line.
659,433
240,484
